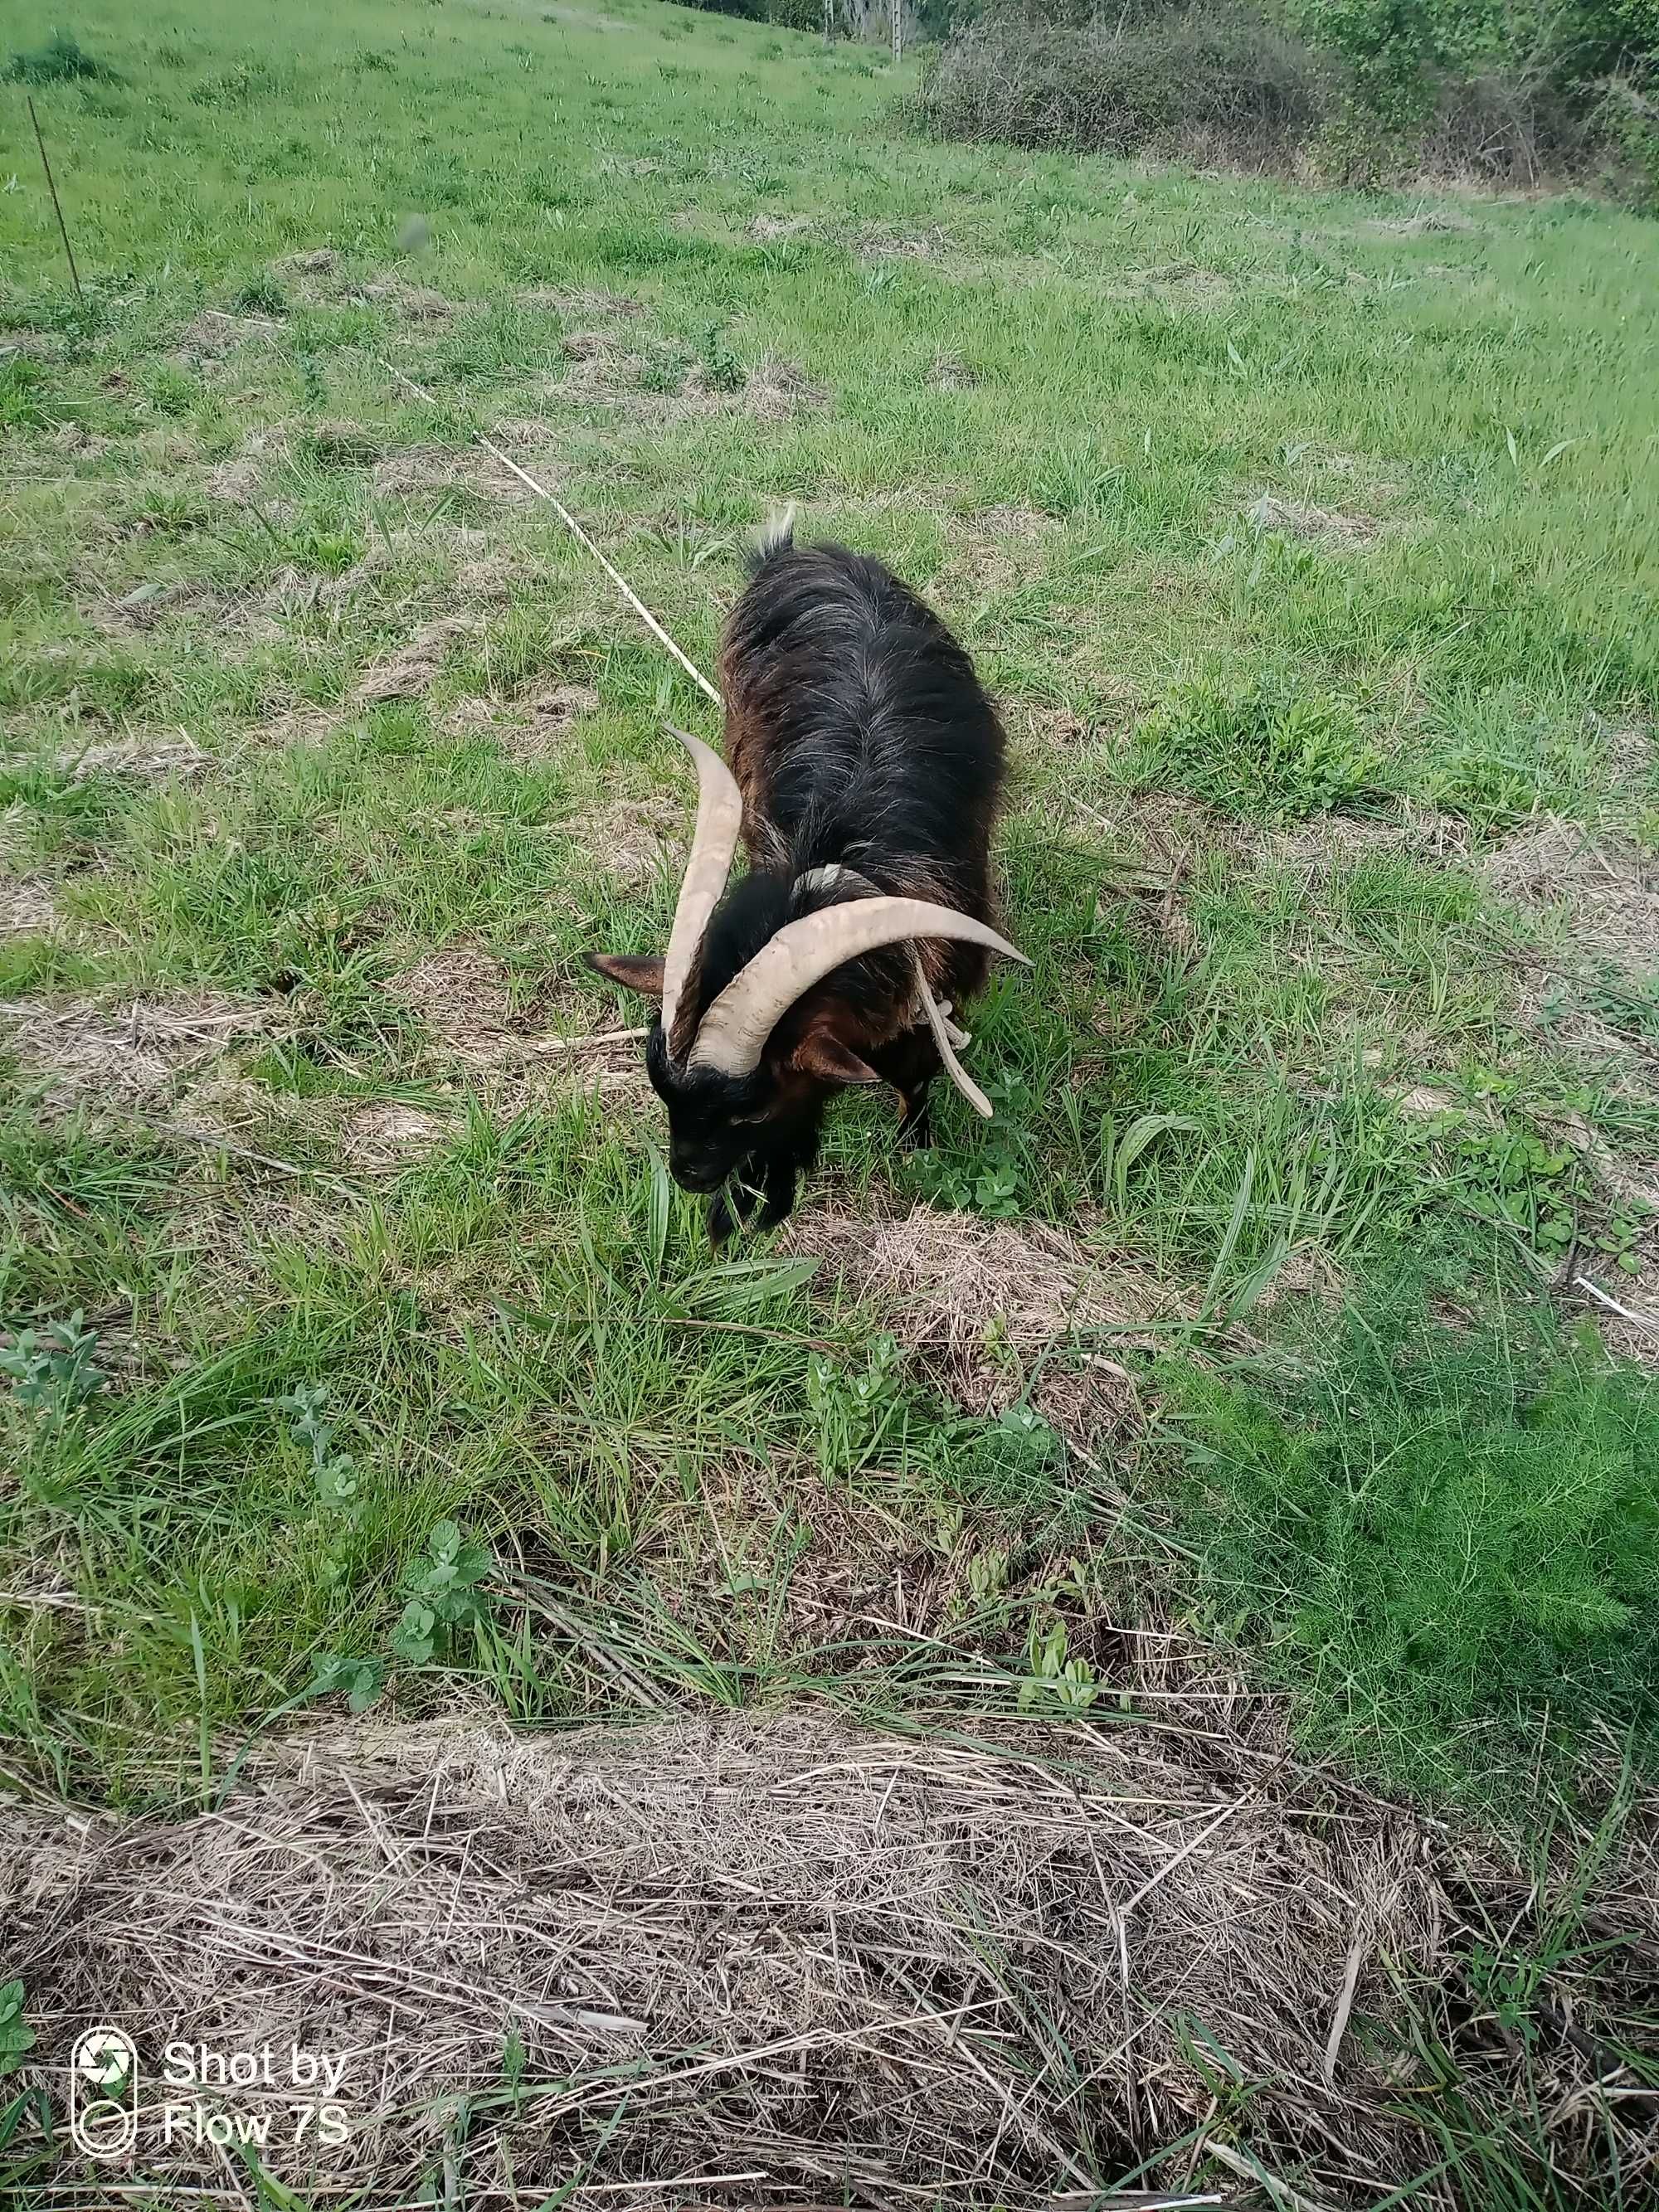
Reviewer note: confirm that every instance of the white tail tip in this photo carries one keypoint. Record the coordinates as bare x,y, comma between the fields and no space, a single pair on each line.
774,534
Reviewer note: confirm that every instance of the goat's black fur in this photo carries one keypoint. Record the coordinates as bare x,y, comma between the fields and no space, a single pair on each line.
860,736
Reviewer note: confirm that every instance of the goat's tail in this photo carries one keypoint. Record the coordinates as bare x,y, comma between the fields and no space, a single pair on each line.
775,535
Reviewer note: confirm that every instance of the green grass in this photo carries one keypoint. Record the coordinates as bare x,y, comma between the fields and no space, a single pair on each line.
527,1337
1435,1535
1271,524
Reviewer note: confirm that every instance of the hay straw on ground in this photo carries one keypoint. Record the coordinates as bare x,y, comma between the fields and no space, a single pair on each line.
122,1055
977,1303
1606,887
779,1961
915,1971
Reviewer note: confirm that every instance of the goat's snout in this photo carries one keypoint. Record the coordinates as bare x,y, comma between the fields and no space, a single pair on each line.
699,1164
696,1171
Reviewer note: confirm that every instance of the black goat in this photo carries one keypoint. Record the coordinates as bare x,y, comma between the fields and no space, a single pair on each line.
866,763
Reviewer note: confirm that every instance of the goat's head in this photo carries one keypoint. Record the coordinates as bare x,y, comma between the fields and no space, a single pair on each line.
721,1054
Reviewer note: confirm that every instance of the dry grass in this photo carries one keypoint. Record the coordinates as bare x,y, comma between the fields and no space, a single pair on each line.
429,471
417,666
979,1305
808,1959
81,1054
802,1964
538,722
145,759
633,839
462,994
1605,889
1316,525
28,906
389,1134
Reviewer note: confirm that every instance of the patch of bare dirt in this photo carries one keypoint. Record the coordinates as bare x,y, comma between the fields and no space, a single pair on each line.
487,581
467,716
434,469
28,906
1329,841
1604,887
1181,283
410,303
315,261
589,304
292,591
214,336
879,242
775,390
31,346
768,229
235,481
142,608
144,759
606,371
1428,222
975,1302
1630,749
948,371
339,442
1014,522
416,666
483,575
461,993
1624,1308
85,1053
1423,1101
74,438
295,724
1039,723
1317,526
989,552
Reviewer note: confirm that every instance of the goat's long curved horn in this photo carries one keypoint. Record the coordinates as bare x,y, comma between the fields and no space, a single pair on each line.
733,1034
720,818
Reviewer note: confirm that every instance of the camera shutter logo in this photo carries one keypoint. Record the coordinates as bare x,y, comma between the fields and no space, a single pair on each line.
104,2092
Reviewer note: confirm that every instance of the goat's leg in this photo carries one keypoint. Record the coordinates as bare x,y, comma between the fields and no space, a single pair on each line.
792,1151
909,1063
782,1174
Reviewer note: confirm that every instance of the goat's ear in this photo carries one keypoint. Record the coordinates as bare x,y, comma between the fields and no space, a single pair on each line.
634,971
821,1054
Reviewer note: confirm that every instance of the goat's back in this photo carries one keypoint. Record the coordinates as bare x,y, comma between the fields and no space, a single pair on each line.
857,728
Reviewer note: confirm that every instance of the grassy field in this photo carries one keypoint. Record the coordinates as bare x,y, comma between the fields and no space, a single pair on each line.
359,1346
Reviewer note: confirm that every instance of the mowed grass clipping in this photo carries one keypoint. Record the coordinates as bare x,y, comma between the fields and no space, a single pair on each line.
1306,542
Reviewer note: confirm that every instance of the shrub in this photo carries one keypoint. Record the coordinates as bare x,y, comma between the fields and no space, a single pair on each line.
1625,130
1373,91
788,15
61,58
1231,84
